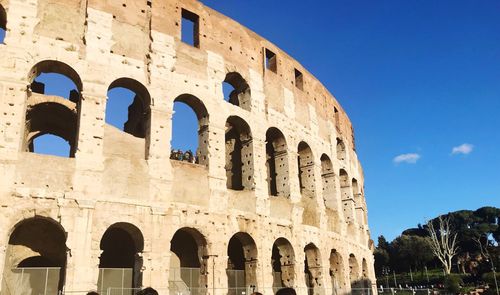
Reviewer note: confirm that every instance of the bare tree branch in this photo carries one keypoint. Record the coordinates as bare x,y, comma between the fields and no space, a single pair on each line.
444,242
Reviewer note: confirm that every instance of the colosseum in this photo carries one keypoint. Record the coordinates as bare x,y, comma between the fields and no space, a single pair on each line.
271,202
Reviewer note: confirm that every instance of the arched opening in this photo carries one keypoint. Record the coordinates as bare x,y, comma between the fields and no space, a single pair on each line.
353,271
283,262
190,130
239,155
128,109
330,199
53,108
364,274
347,199
241,264
188,262
236,91
305,162
277,163
341,154
312,269
286,291
120,263
51,129
3,24
358,204
337,272
35,260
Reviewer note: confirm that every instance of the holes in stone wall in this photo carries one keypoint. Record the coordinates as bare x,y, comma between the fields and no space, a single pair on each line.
277,163
328,180
271,61
3,24
337,271
36,247
305,162
236,91
312,268
239,154
190,28
341,152
283,263
53,108
299,79
353,270
190,130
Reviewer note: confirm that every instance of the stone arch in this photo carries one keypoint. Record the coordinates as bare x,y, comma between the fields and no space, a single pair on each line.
313,269
283,263
347,199
337,272
328,180
354,274
36,256
364,274
239,154
53,115
277,163
242,263
122,245
138,120
341,150
3,23
188,261
239,90
202,116
305,162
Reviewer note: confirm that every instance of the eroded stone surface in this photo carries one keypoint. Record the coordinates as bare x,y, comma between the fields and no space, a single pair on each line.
244,193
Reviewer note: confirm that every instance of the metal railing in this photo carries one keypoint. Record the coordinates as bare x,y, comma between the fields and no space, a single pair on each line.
31,281
119,278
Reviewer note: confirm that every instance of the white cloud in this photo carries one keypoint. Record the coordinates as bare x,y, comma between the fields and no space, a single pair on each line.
407,158
463,149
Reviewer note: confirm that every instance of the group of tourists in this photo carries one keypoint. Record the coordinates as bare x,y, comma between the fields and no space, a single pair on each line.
186,156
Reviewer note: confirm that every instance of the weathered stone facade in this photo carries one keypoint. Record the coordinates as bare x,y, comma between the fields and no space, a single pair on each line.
277,191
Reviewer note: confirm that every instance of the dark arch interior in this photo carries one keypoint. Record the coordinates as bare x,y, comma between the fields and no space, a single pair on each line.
186,247
239,163
236,254
305,162
3,23
135,120
187,136
44,237
341,152
236,90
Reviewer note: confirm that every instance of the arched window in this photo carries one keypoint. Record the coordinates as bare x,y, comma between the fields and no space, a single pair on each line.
3,23
354,275
242,263
188,261
190,130
36,257
347,199
121,245
128,109
341,154
328,180
236,91
283,262
53,108
277,163
364,274
313,269
305,162
239,154
337,272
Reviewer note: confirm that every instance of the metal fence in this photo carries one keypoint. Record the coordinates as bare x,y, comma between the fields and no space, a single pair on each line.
117,278
31,281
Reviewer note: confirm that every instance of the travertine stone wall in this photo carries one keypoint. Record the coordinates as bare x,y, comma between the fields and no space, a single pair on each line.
116,179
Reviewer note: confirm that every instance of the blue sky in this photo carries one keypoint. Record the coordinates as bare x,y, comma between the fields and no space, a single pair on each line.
417,79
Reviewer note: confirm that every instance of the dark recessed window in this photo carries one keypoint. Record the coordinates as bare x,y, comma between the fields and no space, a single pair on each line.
271,61
190,28
299,80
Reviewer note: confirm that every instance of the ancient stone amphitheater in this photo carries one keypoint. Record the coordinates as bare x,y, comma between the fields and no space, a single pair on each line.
271,202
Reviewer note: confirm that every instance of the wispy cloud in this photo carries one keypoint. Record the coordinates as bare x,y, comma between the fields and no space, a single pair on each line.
411,158
463,149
